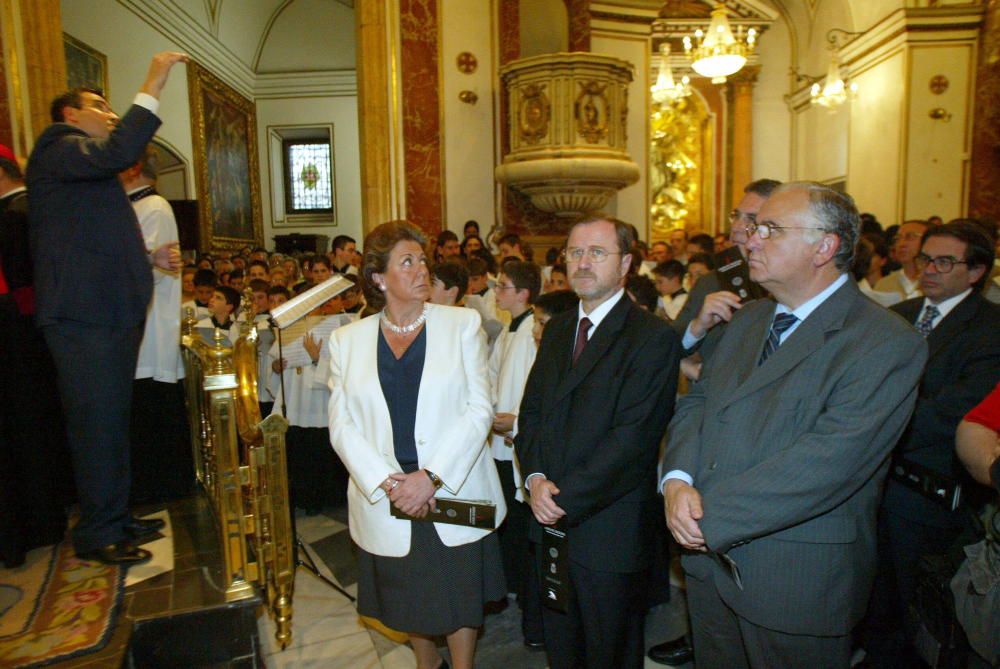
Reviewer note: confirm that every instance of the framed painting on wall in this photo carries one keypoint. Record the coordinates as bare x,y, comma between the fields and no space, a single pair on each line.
224,135
85,66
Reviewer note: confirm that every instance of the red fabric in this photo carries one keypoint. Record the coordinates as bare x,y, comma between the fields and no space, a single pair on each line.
24,298
5,152
3,280
987,412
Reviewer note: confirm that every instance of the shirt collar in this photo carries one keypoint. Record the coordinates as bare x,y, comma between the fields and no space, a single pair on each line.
516,322
945,306
600,311
803,310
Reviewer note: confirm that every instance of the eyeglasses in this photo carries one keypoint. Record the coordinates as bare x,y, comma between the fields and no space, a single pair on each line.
595,253
499,287
765,229
943,264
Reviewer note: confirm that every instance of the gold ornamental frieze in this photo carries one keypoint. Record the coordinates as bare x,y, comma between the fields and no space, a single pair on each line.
591,112
533,113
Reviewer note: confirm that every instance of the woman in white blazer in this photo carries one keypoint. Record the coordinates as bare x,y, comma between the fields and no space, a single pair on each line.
409,414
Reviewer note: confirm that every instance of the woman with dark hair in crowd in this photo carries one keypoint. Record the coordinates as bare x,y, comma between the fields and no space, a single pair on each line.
410,411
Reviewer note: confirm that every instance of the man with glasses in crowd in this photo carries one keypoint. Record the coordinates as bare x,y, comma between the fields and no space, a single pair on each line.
595,407
906,280
709,305
775,460
963,336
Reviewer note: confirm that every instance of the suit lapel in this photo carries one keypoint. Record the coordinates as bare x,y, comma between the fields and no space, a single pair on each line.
604,336
953,324
803,342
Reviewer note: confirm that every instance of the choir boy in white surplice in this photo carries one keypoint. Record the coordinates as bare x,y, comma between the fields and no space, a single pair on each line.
510,362
317,478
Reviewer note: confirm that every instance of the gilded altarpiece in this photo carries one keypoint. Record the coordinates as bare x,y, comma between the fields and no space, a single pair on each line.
681,173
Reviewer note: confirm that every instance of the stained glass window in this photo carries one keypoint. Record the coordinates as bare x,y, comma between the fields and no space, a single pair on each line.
308,185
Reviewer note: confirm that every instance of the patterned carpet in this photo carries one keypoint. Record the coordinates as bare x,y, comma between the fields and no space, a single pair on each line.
58,607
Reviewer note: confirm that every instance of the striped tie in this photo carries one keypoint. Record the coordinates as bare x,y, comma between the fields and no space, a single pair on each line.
781,323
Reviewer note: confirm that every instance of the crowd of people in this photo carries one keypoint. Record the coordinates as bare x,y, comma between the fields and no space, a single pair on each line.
792,402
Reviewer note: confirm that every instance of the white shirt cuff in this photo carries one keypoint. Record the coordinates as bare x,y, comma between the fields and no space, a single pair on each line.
148,101
689,339
676,474
527,479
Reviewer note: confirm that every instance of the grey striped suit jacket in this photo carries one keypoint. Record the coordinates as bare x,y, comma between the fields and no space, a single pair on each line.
790,456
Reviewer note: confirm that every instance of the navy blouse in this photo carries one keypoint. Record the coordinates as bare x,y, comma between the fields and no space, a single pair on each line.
400,380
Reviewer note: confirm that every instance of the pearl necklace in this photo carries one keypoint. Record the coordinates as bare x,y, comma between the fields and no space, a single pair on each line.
405,329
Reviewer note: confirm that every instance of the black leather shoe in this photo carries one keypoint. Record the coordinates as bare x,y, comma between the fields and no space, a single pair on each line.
534,645
122,553
674,652
138,528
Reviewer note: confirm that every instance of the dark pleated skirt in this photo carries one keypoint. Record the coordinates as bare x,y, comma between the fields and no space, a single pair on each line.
435,589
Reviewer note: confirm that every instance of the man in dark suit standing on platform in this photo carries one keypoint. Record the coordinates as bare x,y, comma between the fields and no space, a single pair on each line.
963,366
93,284
775,459
595,407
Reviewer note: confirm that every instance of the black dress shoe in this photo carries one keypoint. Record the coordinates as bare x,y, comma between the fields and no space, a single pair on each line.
137,528
121,553
674,652
534,645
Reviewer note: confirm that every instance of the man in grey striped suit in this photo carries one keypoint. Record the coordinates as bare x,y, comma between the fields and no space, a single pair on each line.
775,460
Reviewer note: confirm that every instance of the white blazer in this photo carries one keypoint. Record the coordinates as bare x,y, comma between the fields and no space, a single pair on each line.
454,415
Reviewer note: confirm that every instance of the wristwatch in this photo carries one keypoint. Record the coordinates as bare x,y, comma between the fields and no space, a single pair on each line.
435,479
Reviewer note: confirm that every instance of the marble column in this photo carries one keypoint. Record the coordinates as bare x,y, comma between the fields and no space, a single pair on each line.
35,63
418,21
984,178
742,132
578,12
374,113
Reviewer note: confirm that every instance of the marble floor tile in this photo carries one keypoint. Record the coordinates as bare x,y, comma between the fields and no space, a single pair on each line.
318,614
162,550
354,651
314,528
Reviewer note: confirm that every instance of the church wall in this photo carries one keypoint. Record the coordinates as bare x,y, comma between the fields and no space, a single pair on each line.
874,177
342,113
468,131
772,148
937,153
129,43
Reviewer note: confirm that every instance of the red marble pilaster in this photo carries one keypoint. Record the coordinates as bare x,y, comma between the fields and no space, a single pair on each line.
578,12
984,182
420,82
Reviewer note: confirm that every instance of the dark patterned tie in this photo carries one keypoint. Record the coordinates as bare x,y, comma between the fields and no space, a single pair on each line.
581,337
926,322
781,323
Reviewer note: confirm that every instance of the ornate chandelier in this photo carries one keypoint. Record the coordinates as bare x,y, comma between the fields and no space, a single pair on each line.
719,53
666,90
835,91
